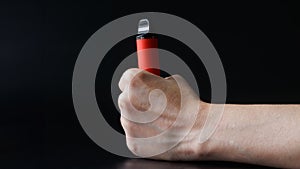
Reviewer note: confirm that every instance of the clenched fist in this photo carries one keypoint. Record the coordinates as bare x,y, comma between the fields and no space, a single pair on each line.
162,117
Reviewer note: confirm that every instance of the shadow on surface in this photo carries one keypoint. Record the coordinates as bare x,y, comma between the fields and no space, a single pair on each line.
151,164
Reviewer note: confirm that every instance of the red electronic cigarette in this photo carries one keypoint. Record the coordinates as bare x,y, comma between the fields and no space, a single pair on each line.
147,52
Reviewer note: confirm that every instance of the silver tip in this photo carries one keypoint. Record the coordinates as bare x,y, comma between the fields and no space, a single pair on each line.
143,27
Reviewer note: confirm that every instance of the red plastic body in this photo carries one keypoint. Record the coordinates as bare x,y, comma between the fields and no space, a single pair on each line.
148,55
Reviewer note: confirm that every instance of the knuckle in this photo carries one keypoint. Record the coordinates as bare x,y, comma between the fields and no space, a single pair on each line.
127,76
122,101
133,147
129,73
128,125
123,122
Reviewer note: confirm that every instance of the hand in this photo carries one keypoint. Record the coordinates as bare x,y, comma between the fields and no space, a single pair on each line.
154,108
163,119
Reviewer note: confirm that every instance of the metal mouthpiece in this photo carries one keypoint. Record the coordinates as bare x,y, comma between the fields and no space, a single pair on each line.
143,27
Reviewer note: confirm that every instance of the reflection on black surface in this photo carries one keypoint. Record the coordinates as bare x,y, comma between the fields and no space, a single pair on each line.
152,164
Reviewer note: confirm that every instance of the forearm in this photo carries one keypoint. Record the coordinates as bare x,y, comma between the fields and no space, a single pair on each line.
258,134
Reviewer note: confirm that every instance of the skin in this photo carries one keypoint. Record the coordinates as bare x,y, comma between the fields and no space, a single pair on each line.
257,134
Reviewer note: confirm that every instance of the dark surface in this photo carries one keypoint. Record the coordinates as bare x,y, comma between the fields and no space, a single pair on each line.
258,43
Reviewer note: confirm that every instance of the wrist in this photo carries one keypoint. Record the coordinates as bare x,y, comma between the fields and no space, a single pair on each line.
211,148
201,151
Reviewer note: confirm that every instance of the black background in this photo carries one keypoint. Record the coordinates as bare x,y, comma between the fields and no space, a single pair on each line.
258,43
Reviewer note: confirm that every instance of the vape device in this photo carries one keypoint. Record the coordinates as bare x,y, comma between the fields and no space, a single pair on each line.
147,48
